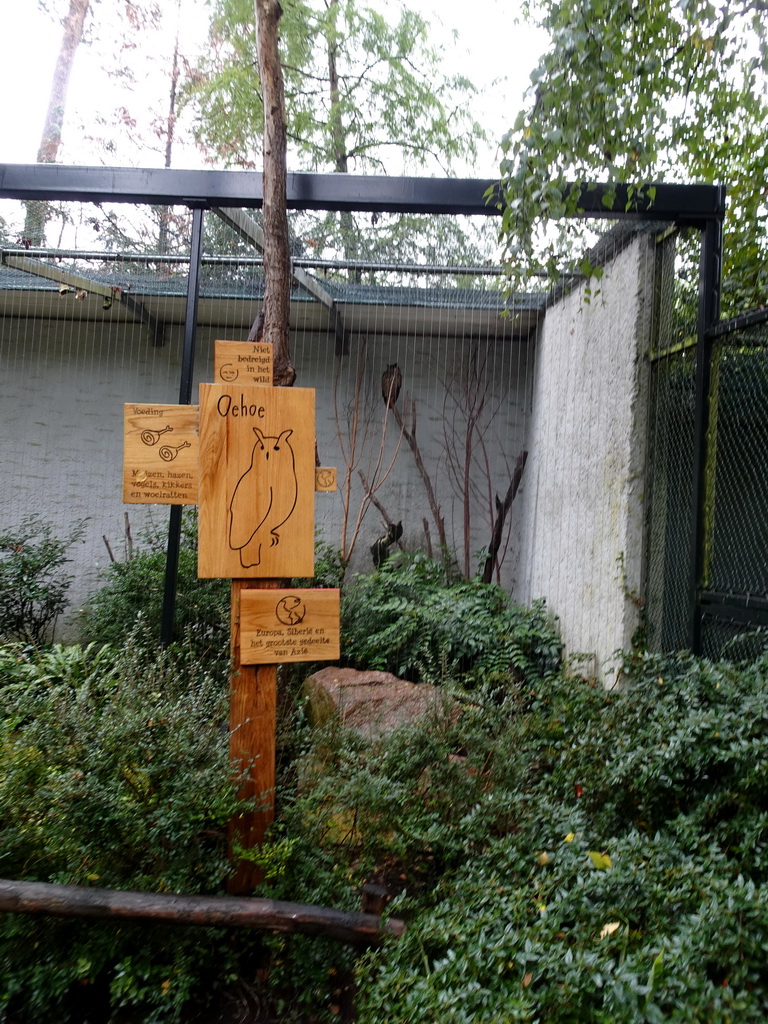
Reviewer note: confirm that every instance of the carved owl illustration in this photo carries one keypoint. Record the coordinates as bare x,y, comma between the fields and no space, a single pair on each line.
391,382
264,497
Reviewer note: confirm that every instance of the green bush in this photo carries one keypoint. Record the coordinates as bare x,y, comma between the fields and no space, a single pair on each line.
114,773
33,585
132,591
572,856
414,619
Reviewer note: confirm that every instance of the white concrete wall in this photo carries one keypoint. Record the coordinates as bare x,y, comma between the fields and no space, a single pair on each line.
580,510
63,385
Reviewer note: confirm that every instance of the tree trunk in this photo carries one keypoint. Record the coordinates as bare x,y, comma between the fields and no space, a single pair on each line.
339,139
163,238
277,262
37,210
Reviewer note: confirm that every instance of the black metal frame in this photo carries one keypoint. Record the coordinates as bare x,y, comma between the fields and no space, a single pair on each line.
698,206
686,205
185,398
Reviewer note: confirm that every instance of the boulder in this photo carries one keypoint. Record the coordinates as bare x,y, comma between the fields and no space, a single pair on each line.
369,702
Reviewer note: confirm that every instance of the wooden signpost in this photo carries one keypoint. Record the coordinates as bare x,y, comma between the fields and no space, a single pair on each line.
160,454
257,481
246,455
242,362
288,625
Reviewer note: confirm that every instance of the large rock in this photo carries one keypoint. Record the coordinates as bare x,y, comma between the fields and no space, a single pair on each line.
369,702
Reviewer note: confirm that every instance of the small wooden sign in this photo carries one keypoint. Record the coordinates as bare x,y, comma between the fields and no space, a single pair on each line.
160,454
257,481
288,625
325,478
242,362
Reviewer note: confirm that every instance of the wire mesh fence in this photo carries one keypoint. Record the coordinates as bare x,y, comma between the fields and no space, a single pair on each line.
671,450
605,517
737,479
83,332
736,555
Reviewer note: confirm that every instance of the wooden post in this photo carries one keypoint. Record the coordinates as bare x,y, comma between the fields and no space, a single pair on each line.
253,706
252,729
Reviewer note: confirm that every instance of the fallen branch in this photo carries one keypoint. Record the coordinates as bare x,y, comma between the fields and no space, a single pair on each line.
208,911
502,510
413,444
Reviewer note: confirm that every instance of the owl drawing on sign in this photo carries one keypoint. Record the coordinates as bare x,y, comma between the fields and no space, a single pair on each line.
264,497
391,382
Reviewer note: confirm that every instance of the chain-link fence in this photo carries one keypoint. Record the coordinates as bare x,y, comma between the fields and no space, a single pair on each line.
735,579
671,448
729,601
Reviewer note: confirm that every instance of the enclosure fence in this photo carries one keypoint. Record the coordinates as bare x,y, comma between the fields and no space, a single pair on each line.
85,328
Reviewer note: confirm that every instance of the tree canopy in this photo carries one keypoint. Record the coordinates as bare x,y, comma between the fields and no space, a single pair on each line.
360,87
644,91
365,92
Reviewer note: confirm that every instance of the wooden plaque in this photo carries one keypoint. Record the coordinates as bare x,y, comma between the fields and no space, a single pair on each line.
257,481
160,454
325,478
278,626
242,362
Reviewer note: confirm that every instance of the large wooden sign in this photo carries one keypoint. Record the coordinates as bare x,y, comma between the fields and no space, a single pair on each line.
288,625
242,362
257,481
160,454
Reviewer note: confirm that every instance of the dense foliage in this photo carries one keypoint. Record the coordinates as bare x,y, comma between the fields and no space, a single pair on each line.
569,855
132,592
417,620
643,92
360,86
114,772
559,853
33,582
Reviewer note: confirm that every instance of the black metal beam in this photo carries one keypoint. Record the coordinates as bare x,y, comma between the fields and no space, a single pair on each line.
734,607
710,268
755,318
185,398
682,204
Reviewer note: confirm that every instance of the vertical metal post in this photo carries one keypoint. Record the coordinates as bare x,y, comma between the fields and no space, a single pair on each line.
185,398
710,268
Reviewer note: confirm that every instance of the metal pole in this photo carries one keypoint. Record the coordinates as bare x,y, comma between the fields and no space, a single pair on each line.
710,269
185,398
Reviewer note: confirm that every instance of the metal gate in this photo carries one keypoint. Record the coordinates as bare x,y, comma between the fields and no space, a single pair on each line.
733,593
707,530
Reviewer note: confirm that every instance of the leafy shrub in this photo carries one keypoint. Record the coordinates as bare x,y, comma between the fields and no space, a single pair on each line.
133,591
33,585
575,856
413,619
115,773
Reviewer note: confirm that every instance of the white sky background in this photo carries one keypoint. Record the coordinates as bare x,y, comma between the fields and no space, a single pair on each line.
491,51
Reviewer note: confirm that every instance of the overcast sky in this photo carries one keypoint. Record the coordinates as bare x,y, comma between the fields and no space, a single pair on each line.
491,50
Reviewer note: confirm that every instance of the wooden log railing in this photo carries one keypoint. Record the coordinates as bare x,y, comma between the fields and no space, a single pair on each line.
211,911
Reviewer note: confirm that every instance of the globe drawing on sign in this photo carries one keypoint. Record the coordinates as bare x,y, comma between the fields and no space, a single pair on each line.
290,610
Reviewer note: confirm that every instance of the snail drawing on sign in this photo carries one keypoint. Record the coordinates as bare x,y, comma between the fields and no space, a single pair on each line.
150,437
168,453
264,497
